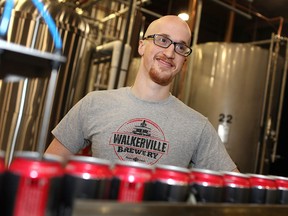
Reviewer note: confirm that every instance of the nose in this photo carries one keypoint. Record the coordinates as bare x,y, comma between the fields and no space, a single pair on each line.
169,51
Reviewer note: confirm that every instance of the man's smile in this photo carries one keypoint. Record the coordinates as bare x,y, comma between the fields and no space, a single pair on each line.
165,62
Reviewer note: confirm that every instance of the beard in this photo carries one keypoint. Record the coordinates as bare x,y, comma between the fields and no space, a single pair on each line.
160,77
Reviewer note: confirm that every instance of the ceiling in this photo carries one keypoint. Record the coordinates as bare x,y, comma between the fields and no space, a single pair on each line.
269,8
214,17
272,8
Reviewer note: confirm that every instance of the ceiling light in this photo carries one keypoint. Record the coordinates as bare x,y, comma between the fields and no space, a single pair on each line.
184,16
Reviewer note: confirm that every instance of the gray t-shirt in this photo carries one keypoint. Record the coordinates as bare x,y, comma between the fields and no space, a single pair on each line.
121,126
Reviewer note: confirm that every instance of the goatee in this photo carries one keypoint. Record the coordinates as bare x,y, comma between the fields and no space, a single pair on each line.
160,78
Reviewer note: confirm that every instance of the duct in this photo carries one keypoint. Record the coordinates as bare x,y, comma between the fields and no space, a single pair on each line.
114,48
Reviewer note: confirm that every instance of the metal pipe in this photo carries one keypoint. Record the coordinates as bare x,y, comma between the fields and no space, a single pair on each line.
149,12
264,127
262,142
248,16
142,9
114,47
113,15
269,128
47,111
124,65
281,19
260,42
281,101
125,37
35,32
197,23
192,10
229,32
19,119
131,22
194,43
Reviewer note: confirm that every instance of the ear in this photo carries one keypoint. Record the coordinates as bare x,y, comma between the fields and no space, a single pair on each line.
141,47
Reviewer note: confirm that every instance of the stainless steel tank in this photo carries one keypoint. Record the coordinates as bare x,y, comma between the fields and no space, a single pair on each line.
22,102
227,86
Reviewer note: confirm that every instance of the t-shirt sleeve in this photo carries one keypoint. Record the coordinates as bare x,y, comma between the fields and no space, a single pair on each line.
69,131
211,152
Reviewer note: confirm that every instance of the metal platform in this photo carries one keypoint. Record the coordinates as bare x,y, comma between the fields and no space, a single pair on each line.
21,61
89,208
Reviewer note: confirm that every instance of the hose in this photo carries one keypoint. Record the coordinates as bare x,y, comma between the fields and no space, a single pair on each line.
45,15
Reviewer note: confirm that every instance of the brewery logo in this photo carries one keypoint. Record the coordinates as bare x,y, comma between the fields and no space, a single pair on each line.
140,140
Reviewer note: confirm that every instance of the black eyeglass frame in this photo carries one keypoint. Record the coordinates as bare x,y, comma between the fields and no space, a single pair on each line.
171,42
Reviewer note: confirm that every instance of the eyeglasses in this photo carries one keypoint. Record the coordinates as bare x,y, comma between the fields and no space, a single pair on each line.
164,42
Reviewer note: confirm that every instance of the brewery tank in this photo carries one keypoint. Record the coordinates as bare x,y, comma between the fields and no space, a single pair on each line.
28,29
228,87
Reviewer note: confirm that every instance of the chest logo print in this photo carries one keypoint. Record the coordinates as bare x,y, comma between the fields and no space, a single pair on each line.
140,140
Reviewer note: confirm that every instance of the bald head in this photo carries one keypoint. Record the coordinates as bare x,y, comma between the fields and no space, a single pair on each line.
170,24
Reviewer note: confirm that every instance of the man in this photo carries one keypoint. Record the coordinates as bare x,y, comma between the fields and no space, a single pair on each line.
145,123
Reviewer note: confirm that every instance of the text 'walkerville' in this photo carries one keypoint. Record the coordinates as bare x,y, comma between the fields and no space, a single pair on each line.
140,142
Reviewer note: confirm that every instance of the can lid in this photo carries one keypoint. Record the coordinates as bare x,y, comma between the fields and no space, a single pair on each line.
30,164
207,177
28,154
89,159
133,164
235,179
237,174
36,156
260,176
281,182
207,171
53,157
2,163
2,154
173,168
279,178
262,180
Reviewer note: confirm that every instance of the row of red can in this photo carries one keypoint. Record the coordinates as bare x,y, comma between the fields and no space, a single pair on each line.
35,185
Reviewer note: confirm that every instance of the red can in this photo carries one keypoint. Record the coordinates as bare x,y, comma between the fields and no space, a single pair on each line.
170,183
2,171
131,181
206,185
263,189
2,161
85,178
236,187
2,167
33,184
282,187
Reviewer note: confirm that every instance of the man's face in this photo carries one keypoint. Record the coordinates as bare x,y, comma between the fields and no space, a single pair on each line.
162,64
